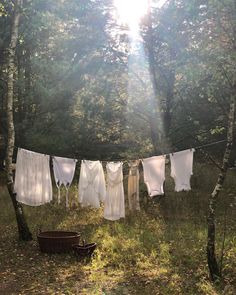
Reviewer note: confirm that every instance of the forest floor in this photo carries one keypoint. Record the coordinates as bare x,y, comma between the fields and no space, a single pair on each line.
159,250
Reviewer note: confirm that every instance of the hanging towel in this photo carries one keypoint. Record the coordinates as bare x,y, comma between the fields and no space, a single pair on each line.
182,169
32,184
92,186
64,170
114,206
154,174
133,186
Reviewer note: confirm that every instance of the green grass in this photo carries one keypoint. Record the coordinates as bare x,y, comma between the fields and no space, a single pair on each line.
160,250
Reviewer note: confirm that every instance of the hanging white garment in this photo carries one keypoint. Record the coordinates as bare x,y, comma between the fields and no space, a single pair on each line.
114,206
64,170
154,174
92,186
182,169
33,184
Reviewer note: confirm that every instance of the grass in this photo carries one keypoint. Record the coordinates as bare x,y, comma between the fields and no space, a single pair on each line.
160,250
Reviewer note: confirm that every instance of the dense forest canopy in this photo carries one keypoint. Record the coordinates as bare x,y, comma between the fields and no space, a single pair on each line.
86,87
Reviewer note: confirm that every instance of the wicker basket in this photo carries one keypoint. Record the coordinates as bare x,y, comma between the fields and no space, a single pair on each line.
84,250
57,241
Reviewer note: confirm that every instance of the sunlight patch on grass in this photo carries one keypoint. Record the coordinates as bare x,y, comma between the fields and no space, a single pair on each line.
206,288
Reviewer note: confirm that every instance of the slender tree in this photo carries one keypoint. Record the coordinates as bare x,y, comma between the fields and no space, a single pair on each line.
24,233
214,269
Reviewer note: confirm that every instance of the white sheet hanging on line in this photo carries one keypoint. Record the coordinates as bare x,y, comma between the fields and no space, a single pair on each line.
64,170
114,206
32,184
92,186
182,169
154,174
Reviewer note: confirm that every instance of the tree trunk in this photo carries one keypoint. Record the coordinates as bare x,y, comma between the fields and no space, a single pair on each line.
161,112
24,233
155,115
214,269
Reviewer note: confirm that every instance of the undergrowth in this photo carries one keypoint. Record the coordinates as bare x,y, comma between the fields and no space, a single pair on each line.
159,250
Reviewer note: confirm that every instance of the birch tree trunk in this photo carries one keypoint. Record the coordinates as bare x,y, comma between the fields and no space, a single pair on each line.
24,233
213,265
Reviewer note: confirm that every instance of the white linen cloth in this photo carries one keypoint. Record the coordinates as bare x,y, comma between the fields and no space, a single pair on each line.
32,184
114,206
64,170
92,186
154,174
182,169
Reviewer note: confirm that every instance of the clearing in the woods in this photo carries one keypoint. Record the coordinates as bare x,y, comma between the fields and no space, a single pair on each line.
161,250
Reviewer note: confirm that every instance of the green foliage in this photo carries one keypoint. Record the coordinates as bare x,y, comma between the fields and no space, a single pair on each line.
78,86
71,69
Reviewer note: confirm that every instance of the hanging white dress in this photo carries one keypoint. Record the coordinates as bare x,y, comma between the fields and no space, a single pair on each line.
114,206
92,186
154,174
182,169
64,170
32,184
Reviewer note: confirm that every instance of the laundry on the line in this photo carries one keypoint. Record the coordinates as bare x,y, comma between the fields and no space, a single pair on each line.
114,207
154,174
92,187
32,184
133,185
182,169
64,170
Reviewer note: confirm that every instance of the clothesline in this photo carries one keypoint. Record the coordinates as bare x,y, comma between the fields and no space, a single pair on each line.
125,159
196,148
33,185
210,144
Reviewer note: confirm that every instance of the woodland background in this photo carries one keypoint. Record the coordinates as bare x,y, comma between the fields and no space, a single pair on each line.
74,66
82,90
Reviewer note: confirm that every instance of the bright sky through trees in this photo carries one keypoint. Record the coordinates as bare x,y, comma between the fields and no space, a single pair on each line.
130,11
